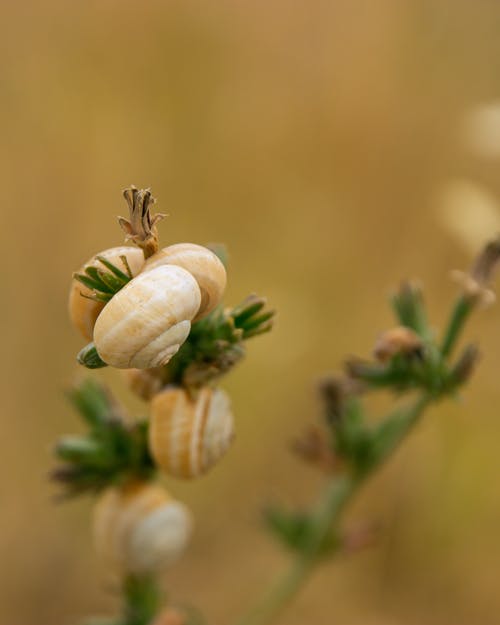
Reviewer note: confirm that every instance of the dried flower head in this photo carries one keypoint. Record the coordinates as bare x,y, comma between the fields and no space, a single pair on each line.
141,226
314,448
476,284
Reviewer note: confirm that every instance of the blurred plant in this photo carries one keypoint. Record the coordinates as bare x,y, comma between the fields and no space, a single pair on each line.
138,526
410,359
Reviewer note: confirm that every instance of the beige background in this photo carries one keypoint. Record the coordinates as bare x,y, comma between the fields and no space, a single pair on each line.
313,139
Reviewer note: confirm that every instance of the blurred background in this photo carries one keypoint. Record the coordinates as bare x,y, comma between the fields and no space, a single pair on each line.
335,147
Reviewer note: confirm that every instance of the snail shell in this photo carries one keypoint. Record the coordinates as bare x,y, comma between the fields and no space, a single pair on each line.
146,322
202,264
187,436
140,528
83,311
144,382
398,340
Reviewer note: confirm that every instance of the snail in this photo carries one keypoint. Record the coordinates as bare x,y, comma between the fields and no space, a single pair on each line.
147,321
84,311
202,264
398,340
140,528
144,382
187,436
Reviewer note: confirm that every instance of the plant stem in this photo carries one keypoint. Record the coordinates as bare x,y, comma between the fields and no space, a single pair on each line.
459,316
335,496
142,599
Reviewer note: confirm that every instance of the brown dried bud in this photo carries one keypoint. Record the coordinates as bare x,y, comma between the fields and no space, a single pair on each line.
334,390
170,616
476,283
141,225
398,340
465,365
361,537
313,447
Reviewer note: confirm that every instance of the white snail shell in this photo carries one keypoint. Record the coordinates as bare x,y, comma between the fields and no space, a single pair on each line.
202,264
144,382
146,322
140,528
83,311
188,436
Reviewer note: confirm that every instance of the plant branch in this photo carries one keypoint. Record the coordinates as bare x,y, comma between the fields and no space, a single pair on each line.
463,308
142,598
336,494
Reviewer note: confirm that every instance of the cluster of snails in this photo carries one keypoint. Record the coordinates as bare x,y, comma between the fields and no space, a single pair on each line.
146,322
139,527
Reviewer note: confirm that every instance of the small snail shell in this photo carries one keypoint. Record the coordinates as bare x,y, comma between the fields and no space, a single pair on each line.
186,436
140,528
202,264
144,382
398,340
83,311
146,322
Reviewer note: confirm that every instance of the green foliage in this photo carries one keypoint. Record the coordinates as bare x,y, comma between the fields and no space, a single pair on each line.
361,446
216,343
104,284
429,369
88,357
296,530
213,347
112,452
408,304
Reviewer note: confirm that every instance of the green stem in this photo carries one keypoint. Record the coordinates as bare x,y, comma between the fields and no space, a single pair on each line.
395,429
334,498
459,316
142,599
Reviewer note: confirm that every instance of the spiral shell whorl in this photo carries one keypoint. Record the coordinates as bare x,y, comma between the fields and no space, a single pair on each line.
146,322
140,529
84,311
202,264
187,437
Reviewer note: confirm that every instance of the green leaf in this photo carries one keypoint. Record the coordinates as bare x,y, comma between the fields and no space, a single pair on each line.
293,529
90,283
251,306
92,401
77,448
88,357
96,275
124,277
111,281
408,304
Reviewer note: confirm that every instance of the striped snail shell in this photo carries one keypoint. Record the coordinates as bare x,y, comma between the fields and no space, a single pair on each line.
202,264
140,528
147,321
188,436
84,311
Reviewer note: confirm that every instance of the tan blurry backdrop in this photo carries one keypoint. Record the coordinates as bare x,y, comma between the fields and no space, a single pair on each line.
313,139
